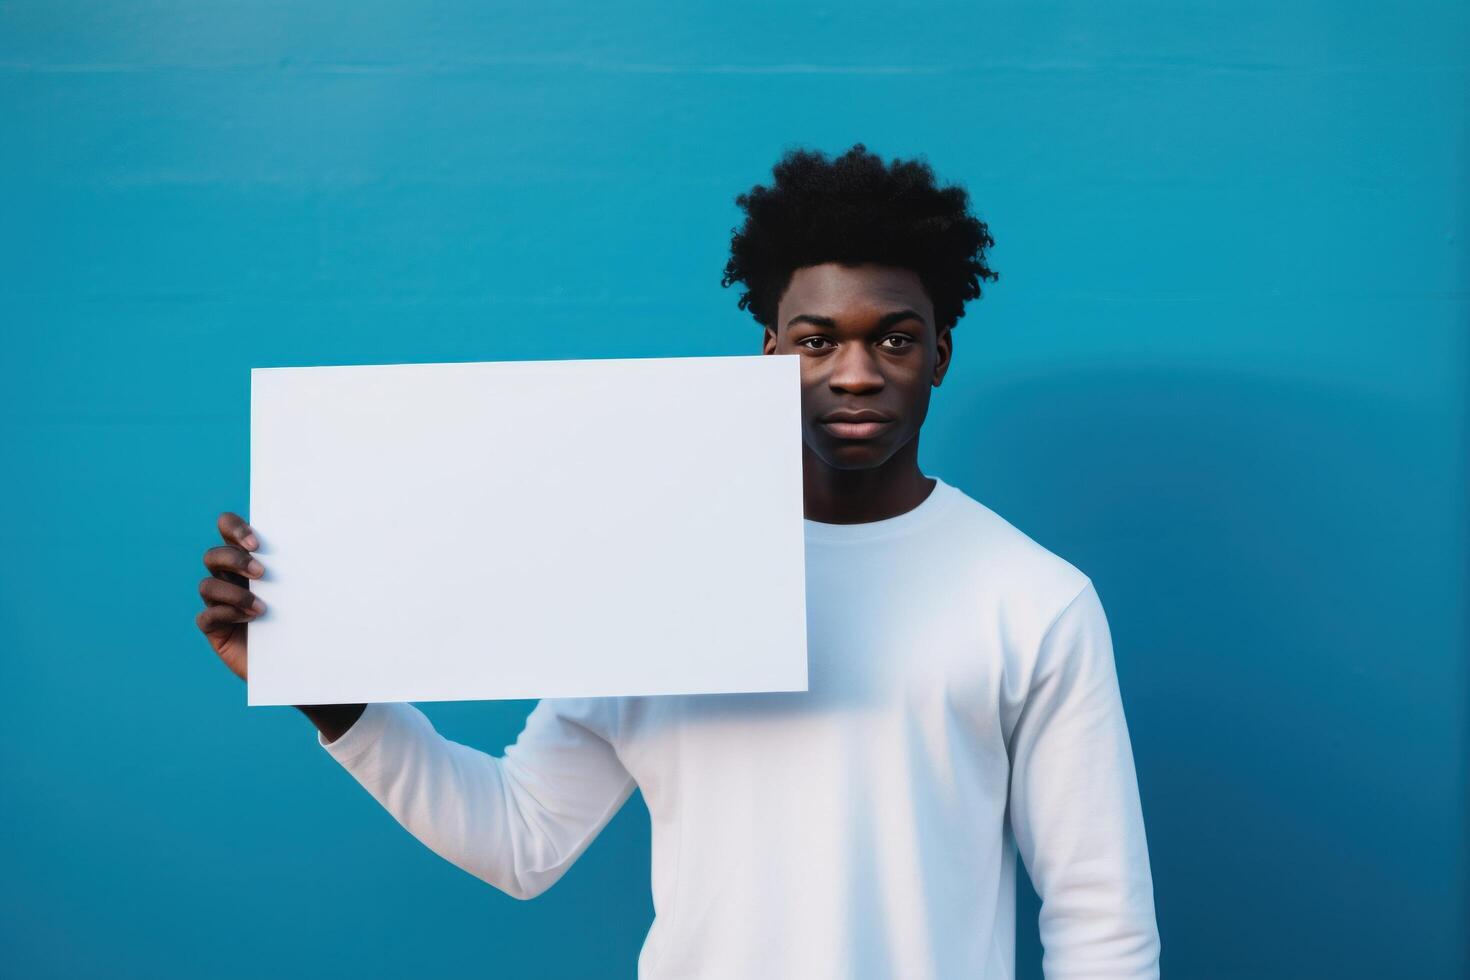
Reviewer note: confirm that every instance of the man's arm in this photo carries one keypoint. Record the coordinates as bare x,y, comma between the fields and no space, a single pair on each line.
332,719
516,821
1074,807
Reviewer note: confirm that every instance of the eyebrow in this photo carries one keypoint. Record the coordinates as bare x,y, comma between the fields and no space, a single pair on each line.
887,320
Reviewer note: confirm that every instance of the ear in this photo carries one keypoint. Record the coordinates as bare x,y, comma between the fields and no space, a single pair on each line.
943,349
768,346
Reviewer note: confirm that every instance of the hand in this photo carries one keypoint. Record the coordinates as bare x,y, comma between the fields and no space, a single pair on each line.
229,604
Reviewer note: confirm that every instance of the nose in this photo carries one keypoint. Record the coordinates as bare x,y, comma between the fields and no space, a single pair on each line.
853,370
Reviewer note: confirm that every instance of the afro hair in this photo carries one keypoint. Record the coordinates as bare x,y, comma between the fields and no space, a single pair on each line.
854,209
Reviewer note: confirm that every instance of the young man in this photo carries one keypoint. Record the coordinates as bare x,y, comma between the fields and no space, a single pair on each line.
963,704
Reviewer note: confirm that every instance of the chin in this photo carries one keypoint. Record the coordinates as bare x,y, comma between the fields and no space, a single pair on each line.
853,454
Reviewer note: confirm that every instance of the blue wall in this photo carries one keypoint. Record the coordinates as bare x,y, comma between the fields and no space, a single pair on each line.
1224,372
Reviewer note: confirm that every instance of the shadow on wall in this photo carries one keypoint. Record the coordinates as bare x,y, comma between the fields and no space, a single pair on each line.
1280,566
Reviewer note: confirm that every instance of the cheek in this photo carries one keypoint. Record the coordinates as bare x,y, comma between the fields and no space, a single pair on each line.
810,386
918,405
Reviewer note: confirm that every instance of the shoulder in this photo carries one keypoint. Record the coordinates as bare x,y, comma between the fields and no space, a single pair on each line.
998,546
571,718
1018,580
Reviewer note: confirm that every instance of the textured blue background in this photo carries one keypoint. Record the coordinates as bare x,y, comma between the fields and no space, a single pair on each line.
1224,372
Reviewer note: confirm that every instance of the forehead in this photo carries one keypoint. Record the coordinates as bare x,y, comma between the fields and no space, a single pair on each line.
841,291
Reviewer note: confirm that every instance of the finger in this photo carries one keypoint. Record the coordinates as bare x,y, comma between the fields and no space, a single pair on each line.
234,530
237,563
214,590
219,619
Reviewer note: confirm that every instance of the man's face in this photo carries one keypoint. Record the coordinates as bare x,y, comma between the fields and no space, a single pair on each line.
865,335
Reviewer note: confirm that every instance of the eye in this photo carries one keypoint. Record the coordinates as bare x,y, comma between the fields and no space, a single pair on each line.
802,343
907,340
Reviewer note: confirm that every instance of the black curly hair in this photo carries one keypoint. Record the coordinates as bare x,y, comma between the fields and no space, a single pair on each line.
854,209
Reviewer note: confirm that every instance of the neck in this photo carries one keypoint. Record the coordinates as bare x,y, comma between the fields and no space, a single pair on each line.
835,496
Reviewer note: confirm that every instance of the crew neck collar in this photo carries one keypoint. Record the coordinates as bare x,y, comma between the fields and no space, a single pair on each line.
940,497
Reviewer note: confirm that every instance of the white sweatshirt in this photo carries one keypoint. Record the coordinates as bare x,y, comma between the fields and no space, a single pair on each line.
963,704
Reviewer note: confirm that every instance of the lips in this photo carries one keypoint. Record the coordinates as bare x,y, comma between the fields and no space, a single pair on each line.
855,415
848,424
855,430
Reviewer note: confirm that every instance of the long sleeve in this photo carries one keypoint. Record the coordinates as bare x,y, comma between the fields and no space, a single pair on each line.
516,821
1075,810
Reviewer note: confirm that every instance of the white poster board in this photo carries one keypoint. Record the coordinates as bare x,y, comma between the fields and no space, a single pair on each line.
527,529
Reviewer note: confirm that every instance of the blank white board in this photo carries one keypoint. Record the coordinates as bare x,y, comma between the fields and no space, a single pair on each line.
527,529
